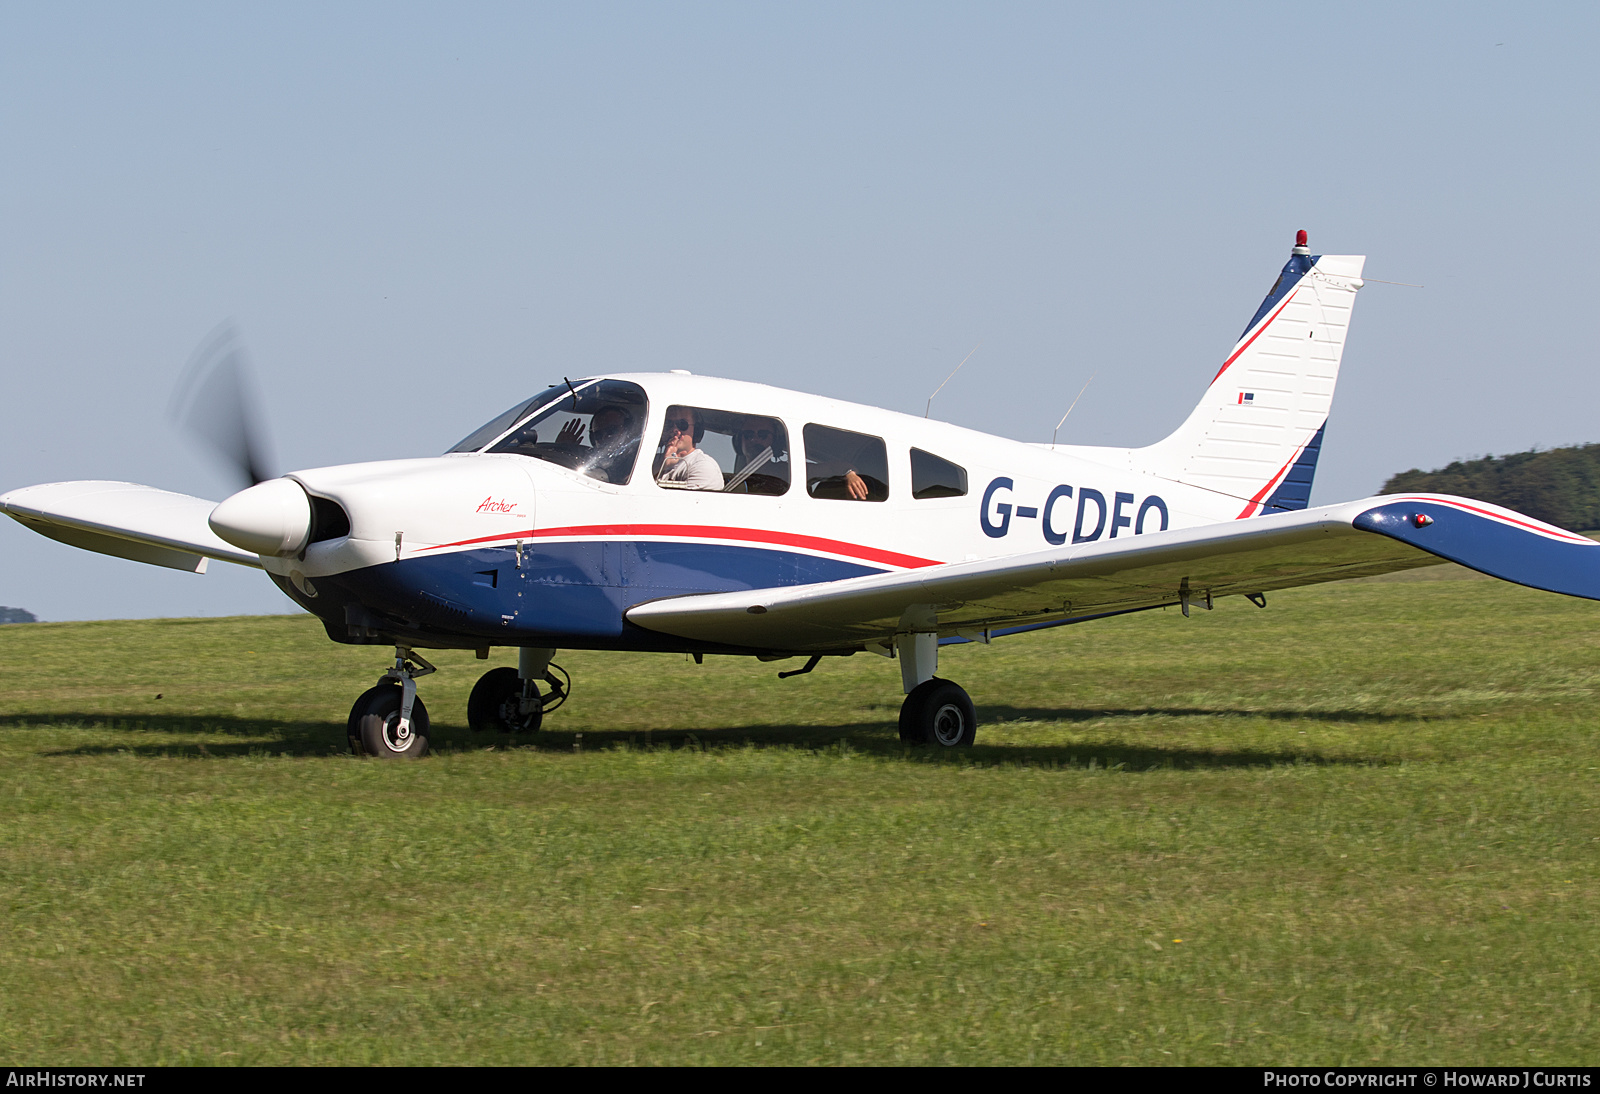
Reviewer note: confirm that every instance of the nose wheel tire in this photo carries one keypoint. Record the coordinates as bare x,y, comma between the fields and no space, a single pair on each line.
376,721
359,710
496,704
938,713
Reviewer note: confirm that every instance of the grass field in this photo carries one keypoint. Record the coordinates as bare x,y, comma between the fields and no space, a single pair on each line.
1358,827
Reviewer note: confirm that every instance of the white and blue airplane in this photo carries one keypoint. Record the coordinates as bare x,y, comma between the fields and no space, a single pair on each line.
680,513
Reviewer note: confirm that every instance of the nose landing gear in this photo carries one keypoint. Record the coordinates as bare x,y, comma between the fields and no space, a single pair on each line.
511,700
389,720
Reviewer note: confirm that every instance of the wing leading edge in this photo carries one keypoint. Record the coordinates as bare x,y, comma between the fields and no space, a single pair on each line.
1354,539
126,520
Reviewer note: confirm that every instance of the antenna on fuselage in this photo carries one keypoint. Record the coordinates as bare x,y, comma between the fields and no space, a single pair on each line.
1063,420
927,409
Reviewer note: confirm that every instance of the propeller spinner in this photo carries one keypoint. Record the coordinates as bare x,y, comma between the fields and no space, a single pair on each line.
269,518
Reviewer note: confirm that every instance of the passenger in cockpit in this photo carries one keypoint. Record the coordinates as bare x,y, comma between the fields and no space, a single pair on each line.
683,464
753,440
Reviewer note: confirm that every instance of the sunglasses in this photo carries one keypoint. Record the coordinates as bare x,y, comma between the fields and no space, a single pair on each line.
757,434
680,424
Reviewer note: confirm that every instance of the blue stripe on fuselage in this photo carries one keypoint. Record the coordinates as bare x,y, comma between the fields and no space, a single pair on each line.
571,590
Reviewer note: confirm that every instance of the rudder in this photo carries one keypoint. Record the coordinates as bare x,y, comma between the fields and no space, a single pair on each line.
1257,432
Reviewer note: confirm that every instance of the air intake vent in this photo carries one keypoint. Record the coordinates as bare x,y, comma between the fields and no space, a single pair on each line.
328,520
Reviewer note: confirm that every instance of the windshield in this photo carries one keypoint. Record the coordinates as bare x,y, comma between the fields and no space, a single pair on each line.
497,426
592,427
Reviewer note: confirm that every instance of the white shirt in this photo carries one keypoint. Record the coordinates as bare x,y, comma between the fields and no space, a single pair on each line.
697,471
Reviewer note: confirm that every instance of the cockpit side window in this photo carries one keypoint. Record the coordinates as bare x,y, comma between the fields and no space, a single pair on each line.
722,450
845,466
592,427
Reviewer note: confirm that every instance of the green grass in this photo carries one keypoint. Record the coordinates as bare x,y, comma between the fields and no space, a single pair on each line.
1369,813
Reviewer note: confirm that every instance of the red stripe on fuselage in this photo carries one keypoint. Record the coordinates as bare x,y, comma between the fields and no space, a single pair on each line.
698,531
1254,336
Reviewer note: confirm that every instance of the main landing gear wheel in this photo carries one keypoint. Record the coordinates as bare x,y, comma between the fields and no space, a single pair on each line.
379,726
497,701
938,712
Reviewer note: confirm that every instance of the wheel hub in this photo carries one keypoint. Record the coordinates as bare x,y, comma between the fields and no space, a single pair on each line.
396,736
948,724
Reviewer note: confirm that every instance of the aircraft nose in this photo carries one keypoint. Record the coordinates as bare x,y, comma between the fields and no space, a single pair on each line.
269,518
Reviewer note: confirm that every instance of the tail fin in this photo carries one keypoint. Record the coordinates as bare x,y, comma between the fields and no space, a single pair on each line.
1256,434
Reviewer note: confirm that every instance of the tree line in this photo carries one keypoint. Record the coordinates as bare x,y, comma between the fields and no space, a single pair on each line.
1557,485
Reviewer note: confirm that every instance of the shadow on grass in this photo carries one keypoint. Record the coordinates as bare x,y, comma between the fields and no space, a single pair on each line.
988,715
221,737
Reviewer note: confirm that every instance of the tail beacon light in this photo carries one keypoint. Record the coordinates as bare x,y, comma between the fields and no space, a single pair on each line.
270,518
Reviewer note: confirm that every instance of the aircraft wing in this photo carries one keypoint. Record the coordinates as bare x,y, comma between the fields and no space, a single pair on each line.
1256,555
126,520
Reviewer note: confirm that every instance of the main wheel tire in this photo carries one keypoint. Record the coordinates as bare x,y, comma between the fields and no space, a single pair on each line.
496,703
940,713
380,728
362,707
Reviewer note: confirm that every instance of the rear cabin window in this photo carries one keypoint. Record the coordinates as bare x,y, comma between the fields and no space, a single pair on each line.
934,477
723,451
592,427
845,466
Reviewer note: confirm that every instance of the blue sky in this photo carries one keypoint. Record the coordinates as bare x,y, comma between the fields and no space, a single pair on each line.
418,214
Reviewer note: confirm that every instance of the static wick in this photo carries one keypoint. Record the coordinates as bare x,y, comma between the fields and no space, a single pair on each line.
1406,284
1064,417
929,408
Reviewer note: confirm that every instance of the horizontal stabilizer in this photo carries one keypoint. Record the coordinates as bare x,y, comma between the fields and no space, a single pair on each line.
1153,570
126,520
1492,540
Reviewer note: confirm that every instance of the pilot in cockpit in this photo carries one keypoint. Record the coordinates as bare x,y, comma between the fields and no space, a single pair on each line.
610,440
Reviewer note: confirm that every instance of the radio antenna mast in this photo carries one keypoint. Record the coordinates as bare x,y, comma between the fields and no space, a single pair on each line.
947,379
1063,420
